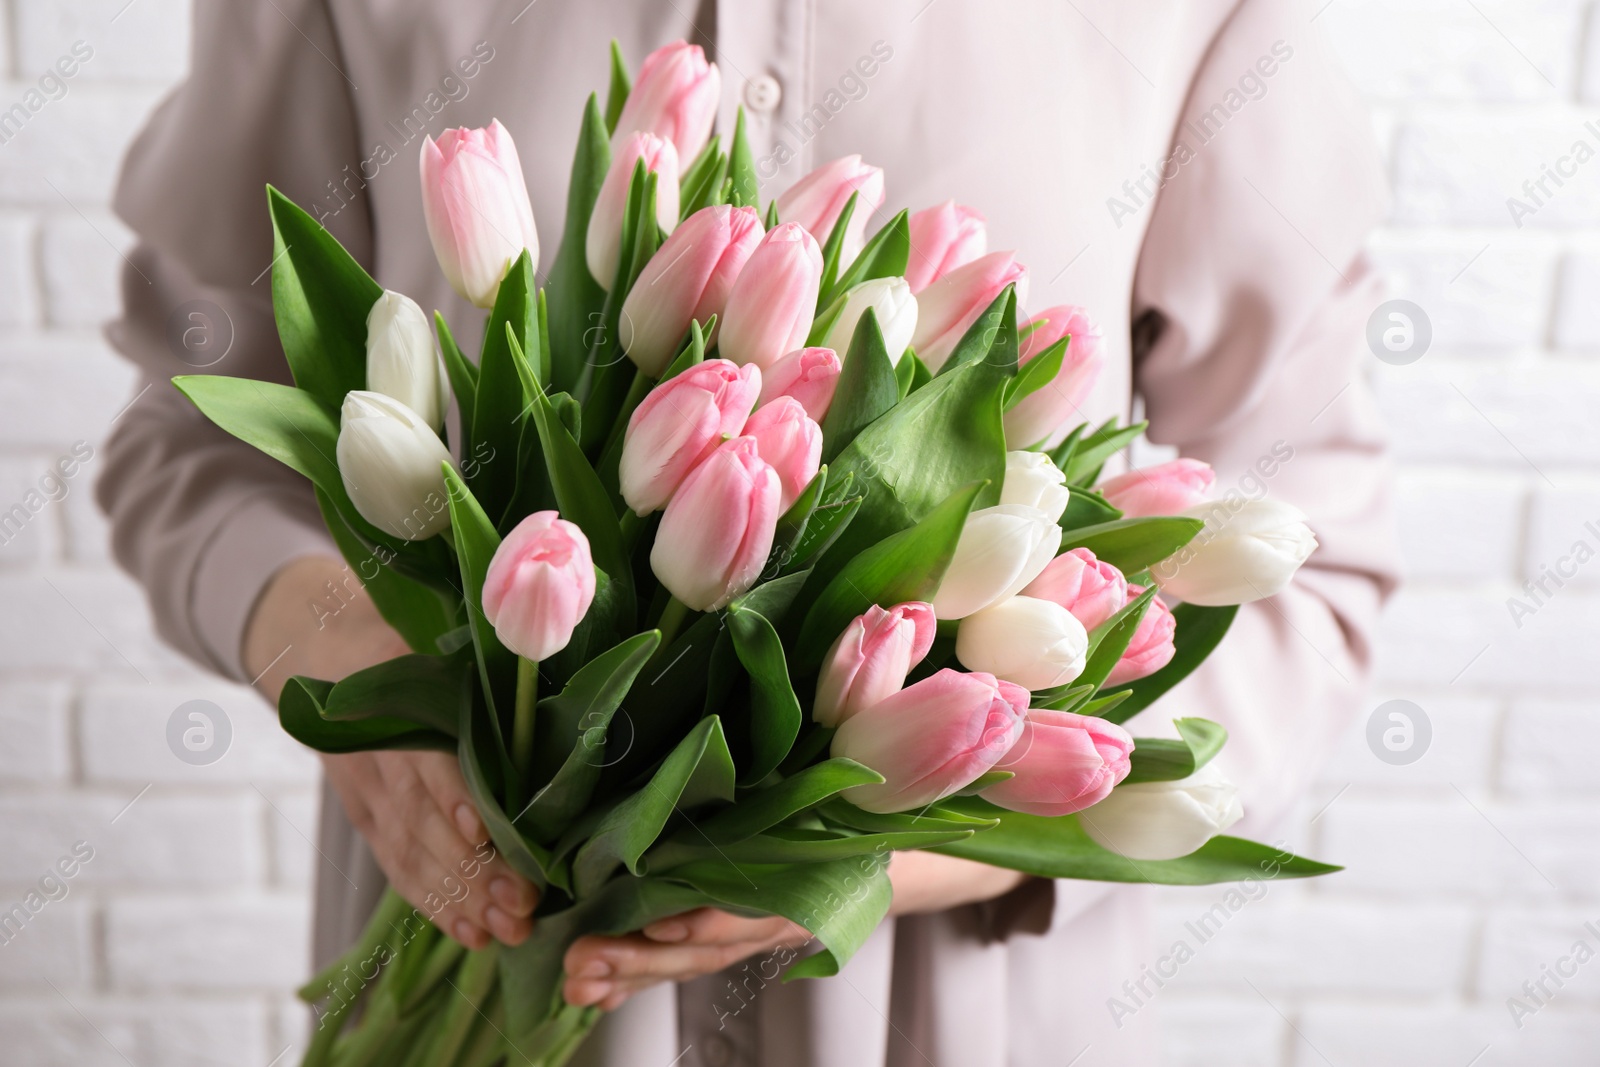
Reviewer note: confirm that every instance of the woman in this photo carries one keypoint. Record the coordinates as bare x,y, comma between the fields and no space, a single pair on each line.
1195,173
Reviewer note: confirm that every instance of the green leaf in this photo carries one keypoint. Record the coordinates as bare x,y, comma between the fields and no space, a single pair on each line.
617,94
1131,545
1062,454
884,256
1161,759
577,301
698,769
1035,374
764,808
320,300
476,543
426,690
288,424
741,166
694,352
784,845
905,566
1109,640
1058,847
463,378
300,711
498,410
905,373
792,523
771,220
991,339
525,857
833,513
1199,631
775,714
934,818
832,249
867,388
1092,451
1087,508
698,186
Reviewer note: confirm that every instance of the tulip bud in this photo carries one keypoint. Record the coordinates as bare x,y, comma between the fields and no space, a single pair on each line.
1047,414
1165,489
810,375
475,204
402,361
603,246
678,424
674,96
539,584
1001,550
1165,820
1034,481
1035,643
891,301
717,532
931,739
788,439
1062,763
1151,647
943,238
688,278
870,660
1089,588
953,303
1247,551
816,200
774,298
392,465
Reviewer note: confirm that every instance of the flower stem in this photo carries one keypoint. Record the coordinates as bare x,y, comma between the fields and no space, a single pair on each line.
449,536
522,725
671,621
631,524
636,393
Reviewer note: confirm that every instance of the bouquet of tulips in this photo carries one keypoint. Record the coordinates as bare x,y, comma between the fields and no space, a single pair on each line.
762,548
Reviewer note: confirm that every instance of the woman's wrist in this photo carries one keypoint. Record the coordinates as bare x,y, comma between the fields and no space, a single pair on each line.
927,882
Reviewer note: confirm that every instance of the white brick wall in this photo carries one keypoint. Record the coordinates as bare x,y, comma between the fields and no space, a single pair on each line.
1470,872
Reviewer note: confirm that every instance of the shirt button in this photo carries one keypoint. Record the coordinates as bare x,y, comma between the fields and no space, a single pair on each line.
762,93
719,1052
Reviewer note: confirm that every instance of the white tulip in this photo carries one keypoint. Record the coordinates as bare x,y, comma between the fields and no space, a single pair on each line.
391,462
1001,549
1165,820
1035,643
402,360
891,300
1033,480
1246,552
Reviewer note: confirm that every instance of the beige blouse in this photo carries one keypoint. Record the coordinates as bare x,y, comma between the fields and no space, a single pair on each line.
1195,172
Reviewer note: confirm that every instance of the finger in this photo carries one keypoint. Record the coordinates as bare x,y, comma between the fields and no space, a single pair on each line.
600,963
712,926
513,893
412,884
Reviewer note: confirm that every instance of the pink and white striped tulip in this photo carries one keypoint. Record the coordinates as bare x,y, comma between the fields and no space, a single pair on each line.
688,278
1152,645
816,200
678,424
870,660
1091,589
1062,763
789,440
810,375
603,243
950,305
774,299
717,532
475,203
1047,414
674,96
931,739
539,585
1165,489
943,238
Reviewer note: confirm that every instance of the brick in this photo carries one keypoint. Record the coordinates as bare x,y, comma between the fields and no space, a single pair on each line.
86,1031
291,834
1205,1031
29,517
17,275
124,737
34,723
1549,747
87,537
1386,1035
1437,637
83,263
1544,946
1440,50
1478,291
56,944
188,839
59,389
78,620
1435,507
147,41
1577,319
65,157
1561,546
1462,748
200,943
75,1032
216,1031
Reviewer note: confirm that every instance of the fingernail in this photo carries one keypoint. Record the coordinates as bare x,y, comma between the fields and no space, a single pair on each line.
594,994
499,923
595,969
504,892
466,933
667,931
468,823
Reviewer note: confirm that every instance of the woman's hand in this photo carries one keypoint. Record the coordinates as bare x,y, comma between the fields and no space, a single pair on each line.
412,807
608,970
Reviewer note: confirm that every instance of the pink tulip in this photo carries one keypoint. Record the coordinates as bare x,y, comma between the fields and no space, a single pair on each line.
943,238
870,660
603,244
688,278
790,441
717,532
810,375
1062,763
674,96
1047,415
947,307
678,424
816,200
1165,489
931,739
1152,647
1091,590
475,204
539,585
774,298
